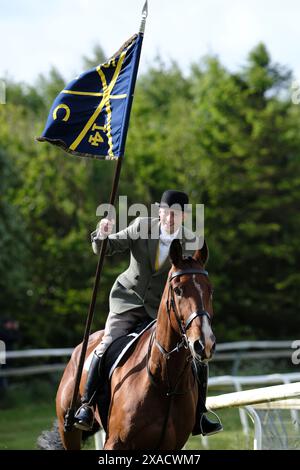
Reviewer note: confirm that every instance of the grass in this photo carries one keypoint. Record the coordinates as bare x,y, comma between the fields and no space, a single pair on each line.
231,438
23,418
20,426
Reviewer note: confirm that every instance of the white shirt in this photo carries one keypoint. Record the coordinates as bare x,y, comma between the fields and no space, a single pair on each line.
165,240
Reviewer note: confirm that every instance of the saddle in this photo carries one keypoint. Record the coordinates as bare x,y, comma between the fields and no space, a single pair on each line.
117,352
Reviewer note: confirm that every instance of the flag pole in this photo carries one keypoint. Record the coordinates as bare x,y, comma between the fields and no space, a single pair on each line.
69,417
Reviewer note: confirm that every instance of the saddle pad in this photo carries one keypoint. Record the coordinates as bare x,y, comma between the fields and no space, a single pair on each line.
111,358
117,350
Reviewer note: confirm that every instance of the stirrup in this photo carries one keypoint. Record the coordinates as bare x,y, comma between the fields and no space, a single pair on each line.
212,427
84,417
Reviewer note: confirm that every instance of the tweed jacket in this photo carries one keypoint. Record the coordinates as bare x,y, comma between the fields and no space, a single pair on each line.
141,285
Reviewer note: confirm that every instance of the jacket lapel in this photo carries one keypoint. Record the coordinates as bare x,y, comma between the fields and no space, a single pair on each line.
166,266
153,246
153,242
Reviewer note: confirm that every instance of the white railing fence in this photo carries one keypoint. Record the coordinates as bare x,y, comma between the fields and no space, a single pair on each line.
234,352
268,398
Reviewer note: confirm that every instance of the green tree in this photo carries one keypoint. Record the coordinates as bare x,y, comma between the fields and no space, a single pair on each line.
248,142
14,253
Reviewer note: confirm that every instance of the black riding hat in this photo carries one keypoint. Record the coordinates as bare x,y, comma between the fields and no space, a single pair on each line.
174,198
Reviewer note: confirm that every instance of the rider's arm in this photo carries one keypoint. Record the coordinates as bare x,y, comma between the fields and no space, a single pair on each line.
117,242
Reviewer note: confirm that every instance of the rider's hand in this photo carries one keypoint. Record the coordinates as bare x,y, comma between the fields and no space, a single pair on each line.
105,227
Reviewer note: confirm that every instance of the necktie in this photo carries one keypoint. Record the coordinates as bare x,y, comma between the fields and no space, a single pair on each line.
157,257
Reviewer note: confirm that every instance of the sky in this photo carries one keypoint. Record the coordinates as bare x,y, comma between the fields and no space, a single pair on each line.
35,34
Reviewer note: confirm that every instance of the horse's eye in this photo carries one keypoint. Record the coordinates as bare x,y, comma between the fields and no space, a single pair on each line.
178,291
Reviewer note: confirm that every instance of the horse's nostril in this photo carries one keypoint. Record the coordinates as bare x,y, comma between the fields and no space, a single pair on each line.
213,348
198,347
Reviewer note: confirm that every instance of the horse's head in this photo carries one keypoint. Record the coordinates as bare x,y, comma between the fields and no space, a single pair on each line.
189,301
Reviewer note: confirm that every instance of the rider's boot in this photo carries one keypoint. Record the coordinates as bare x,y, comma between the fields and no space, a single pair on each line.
203,425
84,417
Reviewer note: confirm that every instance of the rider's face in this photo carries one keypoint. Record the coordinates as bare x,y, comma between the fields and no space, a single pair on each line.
170,220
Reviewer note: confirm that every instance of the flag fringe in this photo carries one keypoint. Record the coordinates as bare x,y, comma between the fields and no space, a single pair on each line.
123,47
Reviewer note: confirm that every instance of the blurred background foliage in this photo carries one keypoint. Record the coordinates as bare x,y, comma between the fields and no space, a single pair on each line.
231,140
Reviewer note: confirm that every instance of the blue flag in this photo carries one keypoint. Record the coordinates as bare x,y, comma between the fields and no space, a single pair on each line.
90,116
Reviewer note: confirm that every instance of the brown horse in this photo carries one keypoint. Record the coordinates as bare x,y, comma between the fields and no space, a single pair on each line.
154,393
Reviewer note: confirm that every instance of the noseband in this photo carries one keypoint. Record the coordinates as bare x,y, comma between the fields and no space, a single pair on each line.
171,305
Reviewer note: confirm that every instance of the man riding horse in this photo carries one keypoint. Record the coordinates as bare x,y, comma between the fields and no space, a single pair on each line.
136,293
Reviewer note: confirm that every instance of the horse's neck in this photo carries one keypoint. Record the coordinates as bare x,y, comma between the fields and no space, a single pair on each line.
168,339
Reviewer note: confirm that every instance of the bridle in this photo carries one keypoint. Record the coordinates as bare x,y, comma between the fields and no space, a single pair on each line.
171,305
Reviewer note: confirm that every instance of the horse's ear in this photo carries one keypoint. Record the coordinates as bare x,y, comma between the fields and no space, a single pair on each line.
175,252
202,255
